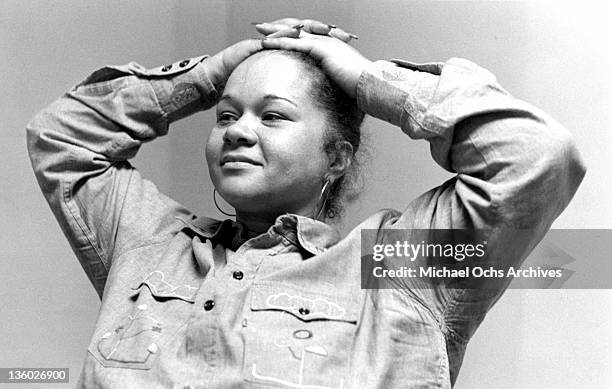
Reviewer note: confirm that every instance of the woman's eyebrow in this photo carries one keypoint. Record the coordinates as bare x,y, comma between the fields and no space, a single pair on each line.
266,97
275,97
225,97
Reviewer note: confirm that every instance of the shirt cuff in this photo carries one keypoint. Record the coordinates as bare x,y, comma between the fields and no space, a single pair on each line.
398,92
183,88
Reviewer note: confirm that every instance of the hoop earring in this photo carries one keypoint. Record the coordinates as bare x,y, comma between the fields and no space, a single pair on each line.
217,205
323,199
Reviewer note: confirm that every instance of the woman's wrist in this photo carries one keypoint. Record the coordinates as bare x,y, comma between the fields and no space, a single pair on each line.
354,76
376,97
213,70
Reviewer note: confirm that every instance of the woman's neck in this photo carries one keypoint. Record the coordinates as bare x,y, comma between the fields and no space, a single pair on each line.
256,223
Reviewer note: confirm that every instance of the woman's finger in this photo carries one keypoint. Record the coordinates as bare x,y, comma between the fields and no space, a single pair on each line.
285,43
248,47
310,26
267,28
317,27
293,32
270,28
344,36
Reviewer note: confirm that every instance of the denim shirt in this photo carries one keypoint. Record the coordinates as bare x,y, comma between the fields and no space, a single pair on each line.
192,302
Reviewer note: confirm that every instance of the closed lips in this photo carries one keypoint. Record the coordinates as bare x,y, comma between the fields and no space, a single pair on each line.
238,158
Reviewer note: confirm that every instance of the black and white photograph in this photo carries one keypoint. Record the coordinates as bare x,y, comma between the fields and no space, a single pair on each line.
324,194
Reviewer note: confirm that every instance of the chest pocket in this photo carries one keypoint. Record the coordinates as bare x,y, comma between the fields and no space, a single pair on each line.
135,340
297,338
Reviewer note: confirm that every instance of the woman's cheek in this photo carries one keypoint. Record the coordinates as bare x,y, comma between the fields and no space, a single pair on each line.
213,147
211,153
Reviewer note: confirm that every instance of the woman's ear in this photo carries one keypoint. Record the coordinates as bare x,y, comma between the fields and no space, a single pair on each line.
340,160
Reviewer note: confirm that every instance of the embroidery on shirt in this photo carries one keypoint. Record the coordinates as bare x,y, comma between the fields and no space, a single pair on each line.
315,350
298,348
393,75
132,341
160,287
303,306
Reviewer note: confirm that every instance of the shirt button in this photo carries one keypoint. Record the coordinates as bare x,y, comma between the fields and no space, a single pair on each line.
209,304
304,311
238,275
166,68
184,63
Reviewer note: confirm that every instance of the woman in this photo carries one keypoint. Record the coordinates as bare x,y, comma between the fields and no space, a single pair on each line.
274,299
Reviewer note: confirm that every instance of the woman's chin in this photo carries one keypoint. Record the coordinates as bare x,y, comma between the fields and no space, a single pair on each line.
243,196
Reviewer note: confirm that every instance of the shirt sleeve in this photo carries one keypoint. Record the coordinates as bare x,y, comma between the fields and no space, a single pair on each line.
80,145
516,168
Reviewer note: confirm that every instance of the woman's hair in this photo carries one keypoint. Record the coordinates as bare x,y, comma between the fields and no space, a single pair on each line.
344,125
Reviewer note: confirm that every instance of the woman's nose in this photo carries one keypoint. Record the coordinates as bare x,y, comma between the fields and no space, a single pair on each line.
241,133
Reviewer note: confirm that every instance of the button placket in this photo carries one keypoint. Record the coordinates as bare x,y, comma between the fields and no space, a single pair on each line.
276,250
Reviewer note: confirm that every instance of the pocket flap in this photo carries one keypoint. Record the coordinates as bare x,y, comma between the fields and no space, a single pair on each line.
303,304
162,287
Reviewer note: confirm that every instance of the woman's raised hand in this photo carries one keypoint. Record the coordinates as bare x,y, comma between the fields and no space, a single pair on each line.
221,65
325,42
282,27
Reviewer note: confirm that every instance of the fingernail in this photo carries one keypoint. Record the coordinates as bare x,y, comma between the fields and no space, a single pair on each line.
332,26
298,26
353,36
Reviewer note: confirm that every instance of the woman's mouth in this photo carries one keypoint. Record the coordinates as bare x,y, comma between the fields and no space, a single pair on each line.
237,160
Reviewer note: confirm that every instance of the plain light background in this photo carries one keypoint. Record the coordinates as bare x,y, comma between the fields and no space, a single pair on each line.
554,55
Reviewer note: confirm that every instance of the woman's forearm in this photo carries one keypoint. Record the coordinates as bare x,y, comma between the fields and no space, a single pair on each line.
79,147
116,109
516,170
514,164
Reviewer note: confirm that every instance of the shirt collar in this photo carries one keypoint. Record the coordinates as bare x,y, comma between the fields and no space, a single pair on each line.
309,234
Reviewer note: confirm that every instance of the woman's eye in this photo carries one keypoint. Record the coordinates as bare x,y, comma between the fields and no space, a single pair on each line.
271,116
225,117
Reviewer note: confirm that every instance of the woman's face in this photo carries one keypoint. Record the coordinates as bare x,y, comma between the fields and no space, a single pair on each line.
265,154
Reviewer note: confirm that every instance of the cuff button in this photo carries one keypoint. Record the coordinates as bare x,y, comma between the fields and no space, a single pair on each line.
166,68
184,63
